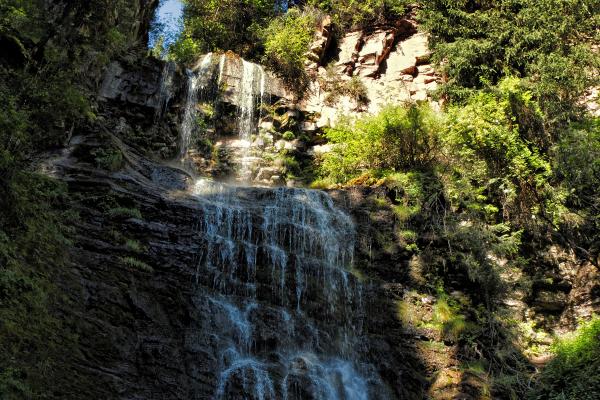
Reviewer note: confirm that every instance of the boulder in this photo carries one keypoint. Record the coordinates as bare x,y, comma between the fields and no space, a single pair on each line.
400,64
417,46
308,126
139,85
550,301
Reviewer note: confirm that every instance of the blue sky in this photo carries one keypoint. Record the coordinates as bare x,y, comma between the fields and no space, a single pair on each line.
169,14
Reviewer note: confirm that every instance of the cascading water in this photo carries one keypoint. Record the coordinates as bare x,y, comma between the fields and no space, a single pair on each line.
278,308
277,261
251,93
207,80
197,82
251,89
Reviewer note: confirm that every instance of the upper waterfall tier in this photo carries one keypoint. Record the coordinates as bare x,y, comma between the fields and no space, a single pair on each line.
231,73
225,87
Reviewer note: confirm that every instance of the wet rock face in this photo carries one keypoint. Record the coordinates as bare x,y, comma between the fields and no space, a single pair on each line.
144,84
139,104
228,293
227,76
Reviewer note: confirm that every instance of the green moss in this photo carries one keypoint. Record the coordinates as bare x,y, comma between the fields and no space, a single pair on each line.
109,159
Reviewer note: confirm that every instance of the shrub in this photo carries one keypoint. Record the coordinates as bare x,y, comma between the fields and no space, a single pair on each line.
349,14
547,42
573,373
134,245
357,91
398,137
221,25
493,163
287,39
109,159
288,135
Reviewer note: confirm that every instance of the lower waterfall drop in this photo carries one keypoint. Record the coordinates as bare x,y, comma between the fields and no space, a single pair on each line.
284,314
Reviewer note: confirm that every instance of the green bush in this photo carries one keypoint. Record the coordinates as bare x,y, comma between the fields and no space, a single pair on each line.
288,135
134,245
221,25
493,165
573,373
398,137
33,243
546,42
110,159
353,14
357,91
287,39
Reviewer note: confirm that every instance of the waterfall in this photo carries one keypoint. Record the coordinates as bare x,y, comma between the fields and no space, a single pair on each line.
279,312
284,310
251,90
245,84
197,82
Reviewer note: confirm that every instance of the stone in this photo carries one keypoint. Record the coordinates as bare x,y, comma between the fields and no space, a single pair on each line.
266,125
284,145
266,173
308,126
113,80
431,86
376,47
400,64
348,55
408,55
321,149
423,80
419,96
228,69
426,69
277,180
367,70
318,48
550,301
417,46
259,142
139,85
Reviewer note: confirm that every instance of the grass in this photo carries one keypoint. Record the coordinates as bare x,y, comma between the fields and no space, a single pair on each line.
134,245
136,264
